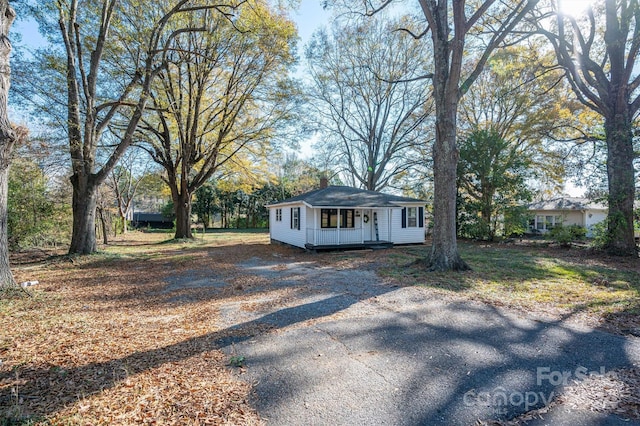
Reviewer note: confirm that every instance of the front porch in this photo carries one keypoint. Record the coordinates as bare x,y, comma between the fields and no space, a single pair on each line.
341,238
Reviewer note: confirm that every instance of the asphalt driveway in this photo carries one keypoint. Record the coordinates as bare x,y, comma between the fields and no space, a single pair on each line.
346,347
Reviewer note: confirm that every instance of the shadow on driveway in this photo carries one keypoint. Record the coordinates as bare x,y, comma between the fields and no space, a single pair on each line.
399,357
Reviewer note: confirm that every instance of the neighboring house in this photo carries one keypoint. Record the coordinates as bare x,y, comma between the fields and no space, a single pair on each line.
345,217
566,211
151,220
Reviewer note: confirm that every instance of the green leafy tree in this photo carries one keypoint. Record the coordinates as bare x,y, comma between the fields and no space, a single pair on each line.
492,175
205,204
39,207
30,209
296,176
522,98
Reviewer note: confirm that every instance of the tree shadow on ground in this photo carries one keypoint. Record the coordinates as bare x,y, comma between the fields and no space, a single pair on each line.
424,363
90,379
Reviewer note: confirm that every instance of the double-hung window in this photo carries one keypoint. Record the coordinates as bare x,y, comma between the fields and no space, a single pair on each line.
295,217
412,217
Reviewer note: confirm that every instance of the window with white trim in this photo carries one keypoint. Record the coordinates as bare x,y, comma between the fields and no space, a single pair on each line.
295,218
278,215
412,217
547,222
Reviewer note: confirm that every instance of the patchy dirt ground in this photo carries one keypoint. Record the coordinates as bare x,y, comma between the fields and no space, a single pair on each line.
133,335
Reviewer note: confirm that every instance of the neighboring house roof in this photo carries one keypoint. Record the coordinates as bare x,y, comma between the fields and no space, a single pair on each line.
345,196
567,203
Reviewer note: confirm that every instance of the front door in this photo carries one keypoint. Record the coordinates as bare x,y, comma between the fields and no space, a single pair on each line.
367,223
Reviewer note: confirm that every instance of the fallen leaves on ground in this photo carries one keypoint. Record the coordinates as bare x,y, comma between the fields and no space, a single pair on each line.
102,343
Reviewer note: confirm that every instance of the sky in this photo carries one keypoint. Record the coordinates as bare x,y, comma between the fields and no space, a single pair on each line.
309,17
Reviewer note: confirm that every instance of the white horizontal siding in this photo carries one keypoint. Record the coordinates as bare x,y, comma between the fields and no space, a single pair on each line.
281,230
383,225
400,235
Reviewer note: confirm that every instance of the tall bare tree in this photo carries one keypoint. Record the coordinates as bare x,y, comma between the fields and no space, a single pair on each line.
221,94
7,139
599,51
368,105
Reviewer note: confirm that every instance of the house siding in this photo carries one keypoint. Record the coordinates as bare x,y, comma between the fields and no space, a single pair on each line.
400,235
281,230
596,217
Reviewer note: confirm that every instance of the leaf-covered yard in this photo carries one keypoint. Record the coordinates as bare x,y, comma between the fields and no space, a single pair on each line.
132,335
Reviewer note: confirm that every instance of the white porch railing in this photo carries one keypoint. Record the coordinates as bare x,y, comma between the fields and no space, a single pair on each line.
334,236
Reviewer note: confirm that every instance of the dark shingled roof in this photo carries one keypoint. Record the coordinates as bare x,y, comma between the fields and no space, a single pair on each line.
345,196
567,203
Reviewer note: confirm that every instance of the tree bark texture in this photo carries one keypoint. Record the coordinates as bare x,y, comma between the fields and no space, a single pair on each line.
83,240
620,173
182,205
444,247
7,140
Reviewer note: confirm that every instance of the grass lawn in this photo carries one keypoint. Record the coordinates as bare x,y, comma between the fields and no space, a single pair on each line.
602,290
102,341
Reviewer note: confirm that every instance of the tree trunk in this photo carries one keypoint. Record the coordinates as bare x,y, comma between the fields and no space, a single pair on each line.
444,248
83,240
123,217
6,277
105,228
7,141
183,216
620,172
486,213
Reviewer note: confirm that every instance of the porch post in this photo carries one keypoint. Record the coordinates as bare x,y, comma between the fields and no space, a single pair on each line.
339,226
315,226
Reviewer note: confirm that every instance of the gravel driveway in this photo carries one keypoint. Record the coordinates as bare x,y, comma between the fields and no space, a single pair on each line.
346,347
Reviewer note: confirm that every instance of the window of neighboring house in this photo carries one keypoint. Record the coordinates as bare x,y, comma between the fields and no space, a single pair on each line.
329,218
412,217
547,222
278,215
557,220
295,218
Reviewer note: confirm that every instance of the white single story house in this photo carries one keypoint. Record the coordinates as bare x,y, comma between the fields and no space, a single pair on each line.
344,217
566,211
